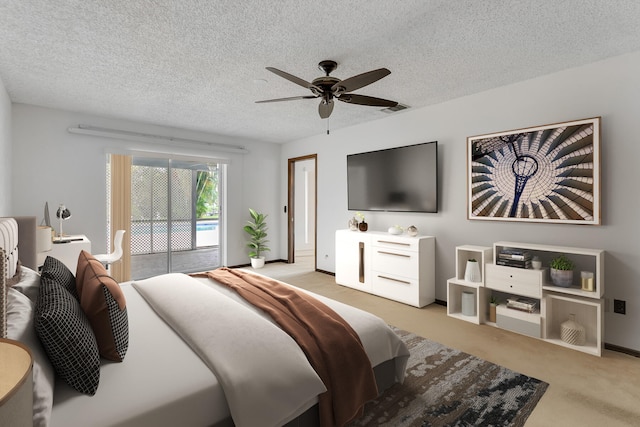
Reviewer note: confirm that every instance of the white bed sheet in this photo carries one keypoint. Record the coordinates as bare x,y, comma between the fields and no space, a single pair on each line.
161,382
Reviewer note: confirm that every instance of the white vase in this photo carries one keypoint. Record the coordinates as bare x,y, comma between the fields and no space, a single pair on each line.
572,332
472,272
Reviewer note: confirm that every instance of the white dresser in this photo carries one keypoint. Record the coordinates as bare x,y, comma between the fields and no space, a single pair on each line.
67,252
401,268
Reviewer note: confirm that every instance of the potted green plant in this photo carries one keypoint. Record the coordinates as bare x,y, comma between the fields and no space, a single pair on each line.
257,230
561,271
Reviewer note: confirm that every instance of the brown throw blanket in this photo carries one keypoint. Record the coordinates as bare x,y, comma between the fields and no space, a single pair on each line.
331,345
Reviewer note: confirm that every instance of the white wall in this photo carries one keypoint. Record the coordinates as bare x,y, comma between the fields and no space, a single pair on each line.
59,167
5,152
610,89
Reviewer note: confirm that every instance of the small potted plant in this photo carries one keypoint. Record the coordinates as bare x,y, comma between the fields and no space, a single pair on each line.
562,271
257,230
362,226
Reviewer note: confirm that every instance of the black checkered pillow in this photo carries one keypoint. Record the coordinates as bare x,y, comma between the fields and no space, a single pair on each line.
55,270
66,335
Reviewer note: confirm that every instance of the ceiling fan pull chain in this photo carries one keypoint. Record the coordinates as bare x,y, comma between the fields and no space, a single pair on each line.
327,125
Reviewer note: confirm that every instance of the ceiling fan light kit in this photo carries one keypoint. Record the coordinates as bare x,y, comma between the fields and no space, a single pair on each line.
328,88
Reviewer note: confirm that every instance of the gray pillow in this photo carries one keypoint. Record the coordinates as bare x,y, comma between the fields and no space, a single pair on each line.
29,283
20,328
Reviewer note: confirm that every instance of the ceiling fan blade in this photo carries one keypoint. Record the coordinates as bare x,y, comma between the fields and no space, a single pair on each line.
294,79
361,80
325,108
352,98
292,98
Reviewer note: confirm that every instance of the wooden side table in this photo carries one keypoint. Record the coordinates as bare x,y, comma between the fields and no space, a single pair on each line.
16,384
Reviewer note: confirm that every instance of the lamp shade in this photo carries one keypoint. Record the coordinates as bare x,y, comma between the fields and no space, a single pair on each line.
63,213
43,239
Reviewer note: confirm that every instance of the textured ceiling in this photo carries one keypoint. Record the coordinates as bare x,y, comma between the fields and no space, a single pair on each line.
198,64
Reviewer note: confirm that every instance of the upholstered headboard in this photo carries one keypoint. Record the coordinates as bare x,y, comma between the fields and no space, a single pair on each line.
26,252
3,294
27,241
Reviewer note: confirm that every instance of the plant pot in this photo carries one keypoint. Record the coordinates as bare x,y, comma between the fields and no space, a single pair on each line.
562,278
492,313
363,226
257,262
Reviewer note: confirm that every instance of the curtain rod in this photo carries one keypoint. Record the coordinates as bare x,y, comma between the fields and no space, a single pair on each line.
146,137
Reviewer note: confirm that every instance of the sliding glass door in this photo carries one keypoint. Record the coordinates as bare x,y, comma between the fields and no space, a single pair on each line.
175,216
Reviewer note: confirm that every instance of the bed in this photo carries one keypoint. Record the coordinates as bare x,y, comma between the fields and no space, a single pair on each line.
167,377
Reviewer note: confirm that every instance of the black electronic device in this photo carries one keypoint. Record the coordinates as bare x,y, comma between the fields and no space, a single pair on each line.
399,179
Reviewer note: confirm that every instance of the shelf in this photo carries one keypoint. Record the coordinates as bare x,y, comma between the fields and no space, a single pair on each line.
585,259
464,253
587,312
556,303
455,288
570,291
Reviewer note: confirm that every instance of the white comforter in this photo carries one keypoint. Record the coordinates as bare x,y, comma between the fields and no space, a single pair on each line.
266,378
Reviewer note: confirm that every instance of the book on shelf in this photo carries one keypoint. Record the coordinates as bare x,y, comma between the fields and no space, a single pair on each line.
514,254
518,257
514,263
522,304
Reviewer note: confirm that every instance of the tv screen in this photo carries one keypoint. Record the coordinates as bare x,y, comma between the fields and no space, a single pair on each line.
401,179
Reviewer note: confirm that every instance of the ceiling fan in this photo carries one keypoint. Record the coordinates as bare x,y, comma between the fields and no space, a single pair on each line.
328,88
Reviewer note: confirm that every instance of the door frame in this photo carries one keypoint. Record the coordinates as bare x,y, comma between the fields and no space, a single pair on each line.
291,234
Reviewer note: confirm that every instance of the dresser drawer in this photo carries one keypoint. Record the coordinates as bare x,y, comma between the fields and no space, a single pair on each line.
397,288
396,242
395,262
518,281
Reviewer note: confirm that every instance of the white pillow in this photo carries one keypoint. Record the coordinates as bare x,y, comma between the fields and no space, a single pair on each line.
20,327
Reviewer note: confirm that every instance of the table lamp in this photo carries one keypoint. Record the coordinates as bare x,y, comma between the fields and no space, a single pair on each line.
63,214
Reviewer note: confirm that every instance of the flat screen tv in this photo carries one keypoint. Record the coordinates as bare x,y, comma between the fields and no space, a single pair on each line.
400,179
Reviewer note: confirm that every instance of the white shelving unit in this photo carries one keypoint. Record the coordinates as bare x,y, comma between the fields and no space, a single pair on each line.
457,285
556,304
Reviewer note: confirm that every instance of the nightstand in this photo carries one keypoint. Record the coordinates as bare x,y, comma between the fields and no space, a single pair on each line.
16,384
67,252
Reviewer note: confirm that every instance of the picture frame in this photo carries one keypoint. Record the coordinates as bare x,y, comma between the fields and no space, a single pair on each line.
547,174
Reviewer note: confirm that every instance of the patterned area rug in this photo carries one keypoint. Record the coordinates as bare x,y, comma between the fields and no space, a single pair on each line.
446,387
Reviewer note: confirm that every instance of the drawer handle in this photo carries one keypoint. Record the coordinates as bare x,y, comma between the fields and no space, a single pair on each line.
394,243
395,280
391,253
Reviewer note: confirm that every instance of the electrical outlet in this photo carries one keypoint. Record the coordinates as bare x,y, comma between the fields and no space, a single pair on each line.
619,306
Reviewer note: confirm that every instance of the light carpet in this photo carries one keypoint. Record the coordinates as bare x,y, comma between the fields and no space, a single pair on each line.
446,387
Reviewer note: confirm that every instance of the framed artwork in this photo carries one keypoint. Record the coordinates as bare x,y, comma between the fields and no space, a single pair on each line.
547,174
